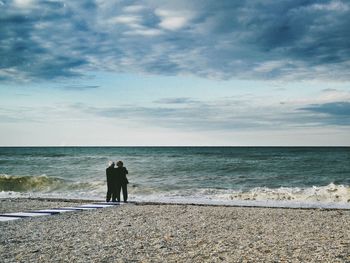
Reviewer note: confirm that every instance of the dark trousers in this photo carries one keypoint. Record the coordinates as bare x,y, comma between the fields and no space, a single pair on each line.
125,191
111,192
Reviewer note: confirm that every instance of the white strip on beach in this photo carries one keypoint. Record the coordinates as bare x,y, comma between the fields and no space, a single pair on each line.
95,206
25,214
47,212
4,218
54,211
77,208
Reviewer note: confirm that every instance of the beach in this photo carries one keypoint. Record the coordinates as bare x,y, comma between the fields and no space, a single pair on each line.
145,232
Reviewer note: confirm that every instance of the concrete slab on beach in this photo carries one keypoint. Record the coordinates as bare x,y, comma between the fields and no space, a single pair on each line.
6,218
25,214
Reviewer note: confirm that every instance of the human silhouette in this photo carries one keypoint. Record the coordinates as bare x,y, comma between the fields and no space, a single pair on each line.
121,181
111,183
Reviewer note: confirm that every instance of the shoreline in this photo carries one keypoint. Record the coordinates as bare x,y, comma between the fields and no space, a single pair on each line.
79,200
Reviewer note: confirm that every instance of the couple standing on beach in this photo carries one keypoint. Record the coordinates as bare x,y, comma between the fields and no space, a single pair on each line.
116,180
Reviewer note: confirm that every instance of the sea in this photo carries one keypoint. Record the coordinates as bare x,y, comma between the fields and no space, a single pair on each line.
304,177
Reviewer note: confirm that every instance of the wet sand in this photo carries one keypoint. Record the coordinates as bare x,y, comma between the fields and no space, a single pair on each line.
174,233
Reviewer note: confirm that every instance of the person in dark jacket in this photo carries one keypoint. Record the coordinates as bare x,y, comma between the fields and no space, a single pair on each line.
122,181
111,183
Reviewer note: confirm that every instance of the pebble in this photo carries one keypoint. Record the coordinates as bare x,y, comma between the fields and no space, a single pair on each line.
176,233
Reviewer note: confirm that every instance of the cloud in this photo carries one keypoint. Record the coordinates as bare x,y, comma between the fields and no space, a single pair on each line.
23,3
190,114
171,20
29,46
332,6
173,23
329,90
9,119
286,40
224,115
183,100
133,8
332,113
339,108
78,87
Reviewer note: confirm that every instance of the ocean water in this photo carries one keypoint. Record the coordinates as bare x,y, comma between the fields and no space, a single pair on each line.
250,176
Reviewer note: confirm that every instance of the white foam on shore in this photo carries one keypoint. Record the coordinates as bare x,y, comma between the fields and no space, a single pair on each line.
330,196
329,193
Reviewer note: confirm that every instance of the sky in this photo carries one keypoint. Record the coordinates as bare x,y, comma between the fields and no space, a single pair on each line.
157,73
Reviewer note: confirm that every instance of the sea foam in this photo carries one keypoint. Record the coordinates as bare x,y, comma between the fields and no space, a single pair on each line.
328,193
331,195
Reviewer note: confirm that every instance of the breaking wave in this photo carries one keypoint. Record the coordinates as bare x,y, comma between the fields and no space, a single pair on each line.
29,183
329,196
40,183
328,193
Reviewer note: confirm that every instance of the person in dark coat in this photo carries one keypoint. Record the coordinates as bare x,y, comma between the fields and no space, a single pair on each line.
122,181
111,183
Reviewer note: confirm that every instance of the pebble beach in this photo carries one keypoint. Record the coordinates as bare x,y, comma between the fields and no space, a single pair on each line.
141,232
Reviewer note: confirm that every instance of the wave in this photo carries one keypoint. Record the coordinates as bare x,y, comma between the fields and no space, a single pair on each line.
329,196
52,155
33,154
328,193
29,183
43,183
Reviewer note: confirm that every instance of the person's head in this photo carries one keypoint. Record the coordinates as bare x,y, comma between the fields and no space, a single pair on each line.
120,164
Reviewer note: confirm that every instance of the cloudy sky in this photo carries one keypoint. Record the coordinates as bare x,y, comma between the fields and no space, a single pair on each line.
199,72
